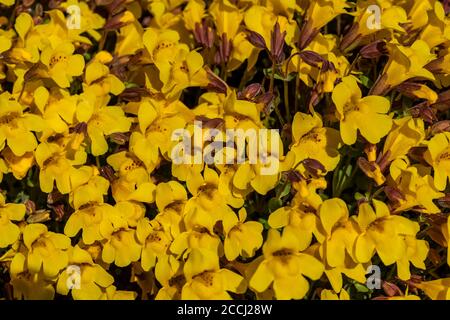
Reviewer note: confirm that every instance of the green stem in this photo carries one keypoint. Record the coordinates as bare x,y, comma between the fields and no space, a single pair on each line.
286,100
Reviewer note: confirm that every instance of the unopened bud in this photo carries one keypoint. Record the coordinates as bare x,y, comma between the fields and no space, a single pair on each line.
314,167
107,172
256,39
374,50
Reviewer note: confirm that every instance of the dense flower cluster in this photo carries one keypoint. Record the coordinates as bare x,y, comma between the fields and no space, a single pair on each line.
93,205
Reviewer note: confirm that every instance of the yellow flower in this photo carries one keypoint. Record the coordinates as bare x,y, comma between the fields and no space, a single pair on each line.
9,232
62,65
227,17
101,120
438,156
169,273
121,246
404,63
91,281
185,71
88,187
95,220
46,250
416,186
391,236
293,218
89,20
171,198
312,140
436,289
97,76
368,114
56,166
241,238
205,279
437,30
318,14
193,13
406,132
155,242
331,295
16,126
338,233
284,266
32,287
133,183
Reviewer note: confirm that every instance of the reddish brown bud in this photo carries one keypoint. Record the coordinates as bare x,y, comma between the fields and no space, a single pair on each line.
30,207
120,138
54,197
314,167
374,50
441,126
391,289
312,58
134,94
107,172
294,176
203,34
277,43
351,38
250,92
256,39
444,202
393,194
223,54
424,111
307,34
215,83
210,123
59,212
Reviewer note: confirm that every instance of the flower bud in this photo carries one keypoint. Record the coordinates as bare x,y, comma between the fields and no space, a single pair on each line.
374,50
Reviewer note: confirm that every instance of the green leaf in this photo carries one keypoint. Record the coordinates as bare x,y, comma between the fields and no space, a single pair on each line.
361,288
365,81
274,204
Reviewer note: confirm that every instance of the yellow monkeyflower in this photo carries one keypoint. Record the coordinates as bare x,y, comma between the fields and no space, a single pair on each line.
16,126
284,266
227,17
121,246
416,186
88,187
206,280
436,289
170,199
155,241
169,273
338,232
368,114
302,224
241,238
89,283
312,140
404,63
95,220
331,295
406,132
391,236
9,232
62,65
318,14
46,250
56,166
101,120
438,156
